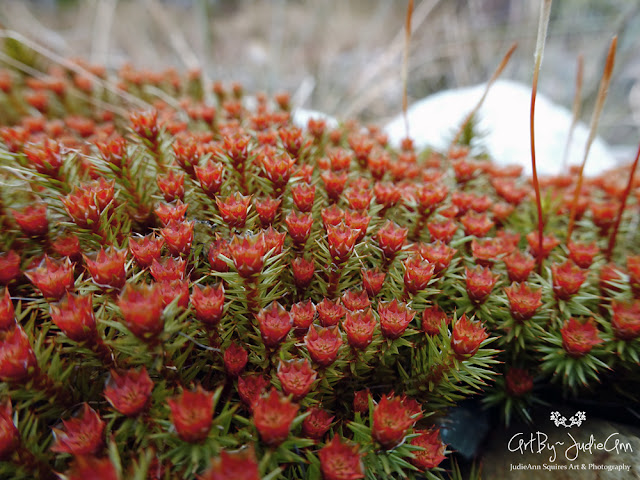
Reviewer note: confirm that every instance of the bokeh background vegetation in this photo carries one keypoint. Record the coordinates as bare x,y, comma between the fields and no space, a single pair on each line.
343,57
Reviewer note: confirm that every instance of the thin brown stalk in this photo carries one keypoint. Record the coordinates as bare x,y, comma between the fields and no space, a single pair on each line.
543,24
595,118
405,66
623,204
496,74
576,110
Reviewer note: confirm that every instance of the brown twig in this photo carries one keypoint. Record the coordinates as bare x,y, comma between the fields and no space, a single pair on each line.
405,66
496,74
576,110
602,95
623,204
543,24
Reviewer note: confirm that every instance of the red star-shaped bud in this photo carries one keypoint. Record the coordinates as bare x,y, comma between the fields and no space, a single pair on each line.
395,317
296,377
303,195
248,254
372,280
238,465
219,247
392,417
417,273
32,220
625,320
567,279
476,224
146,249
16,355
323,344
168,269
171,290
129,392
210,176
341,239
467,336
341,461
80,435
86,467
355,300
142,309
9,267
303,271
250,387
523,301
192,414
178,237
303,314
208,303
329,313
332,215
9,435
442,231
235,359
549,242
107,267
168,213
582,253
7,312
334,184
391,238
267,209
275,323
74,316
480,283
519,266
438,254
359,198
171,185
432,319
234,209
299,226
387,194
272,416
518,381
579,338
53,278
357,221
317,423
359,327
432,453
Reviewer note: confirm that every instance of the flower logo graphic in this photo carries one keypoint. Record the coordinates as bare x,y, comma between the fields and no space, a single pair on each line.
561,420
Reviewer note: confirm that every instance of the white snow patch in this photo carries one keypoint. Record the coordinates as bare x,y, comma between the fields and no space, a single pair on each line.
301,117
504,117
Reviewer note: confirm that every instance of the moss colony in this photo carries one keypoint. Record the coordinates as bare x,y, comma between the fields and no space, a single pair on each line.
197,288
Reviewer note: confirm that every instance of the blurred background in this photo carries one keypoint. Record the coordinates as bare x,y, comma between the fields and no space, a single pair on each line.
343,57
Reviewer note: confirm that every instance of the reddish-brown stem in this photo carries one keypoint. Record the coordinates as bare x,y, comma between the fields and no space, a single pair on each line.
602,95
334,280
543,23
576,110
252,295
405,66
536,183
623,204
492,80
